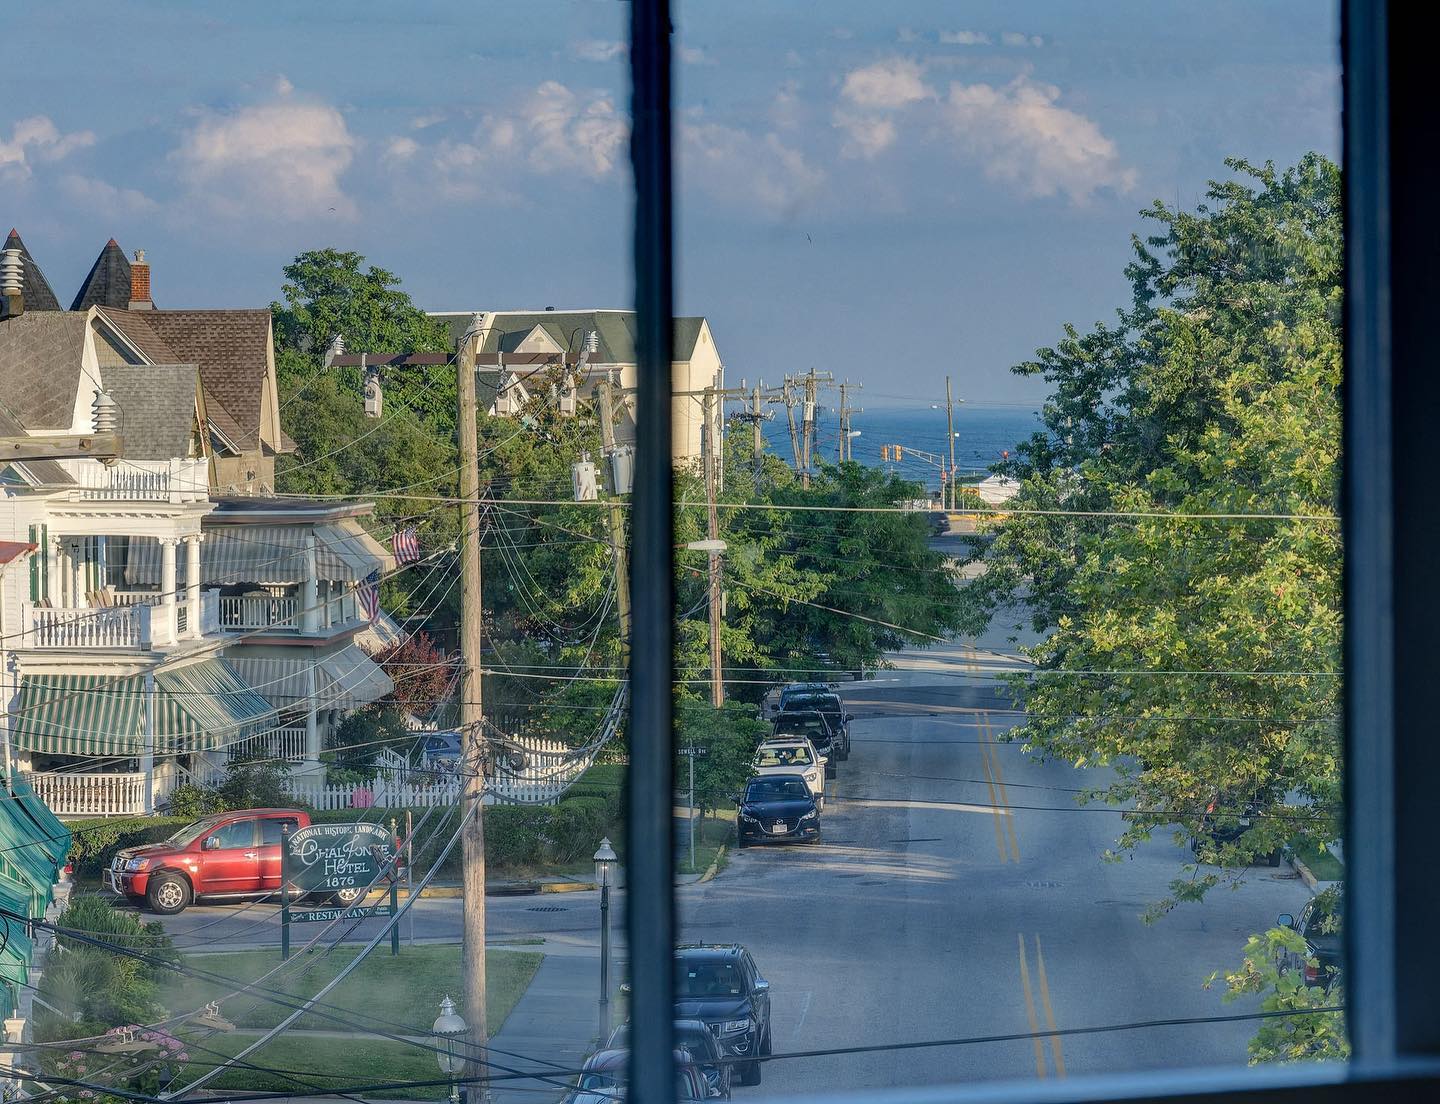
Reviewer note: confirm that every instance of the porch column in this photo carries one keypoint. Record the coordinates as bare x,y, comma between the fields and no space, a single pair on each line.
55,583
312,725
310,592
167,588
192,583
147,749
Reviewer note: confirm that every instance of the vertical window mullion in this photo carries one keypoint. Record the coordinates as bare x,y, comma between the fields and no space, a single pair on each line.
649,853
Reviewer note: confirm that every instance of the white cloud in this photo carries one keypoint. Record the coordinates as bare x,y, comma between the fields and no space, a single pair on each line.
283,158
787,110
964,38
427,120
38,139
567,133
401,149
736,166
1022,136
1019,38
693,55
99,197
599,49
886,84
871,94
283,87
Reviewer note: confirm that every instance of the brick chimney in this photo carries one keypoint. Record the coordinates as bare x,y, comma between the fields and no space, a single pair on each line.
140,283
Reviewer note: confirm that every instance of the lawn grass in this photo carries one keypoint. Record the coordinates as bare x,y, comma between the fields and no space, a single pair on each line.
403,991
319,1062
711,834
1325,866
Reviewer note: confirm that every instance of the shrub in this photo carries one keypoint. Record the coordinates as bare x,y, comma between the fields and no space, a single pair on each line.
255,784
515,835
94,842
193,802
576,826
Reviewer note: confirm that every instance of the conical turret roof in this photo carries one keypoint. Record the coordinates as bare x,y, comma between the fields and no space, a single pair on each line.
108,284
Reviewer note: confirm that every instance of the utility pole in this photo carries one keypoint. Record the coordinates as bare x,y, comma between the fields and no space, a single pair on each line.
712,461
472,717
950,436
808,427
617,518
757,441
846,450
788,398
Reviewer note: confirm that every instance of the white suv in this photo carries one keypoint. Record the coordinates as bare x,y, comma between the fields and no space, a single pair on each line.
793,755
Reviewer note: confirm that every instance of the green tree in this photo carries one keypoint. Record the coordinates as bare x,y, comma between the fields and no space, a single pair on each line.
1215,393
728,734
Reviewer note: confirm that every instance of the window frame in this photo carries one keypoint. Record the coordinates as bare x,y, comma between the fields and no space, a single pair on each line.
1391,503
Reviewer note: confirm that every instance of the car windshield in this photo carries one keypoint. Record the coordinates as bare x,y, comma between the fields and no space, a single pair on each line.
805,724
708,979
798,755
191,833
776,789
604,1080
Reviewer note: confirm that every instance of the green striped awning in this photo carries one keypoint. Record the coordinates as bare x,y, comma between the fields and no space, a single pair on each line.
270,555
197,708
344,679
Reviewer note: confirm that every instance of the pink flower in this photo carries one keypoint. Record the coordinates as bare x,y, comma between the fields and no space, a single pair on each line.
183,1056
76,1054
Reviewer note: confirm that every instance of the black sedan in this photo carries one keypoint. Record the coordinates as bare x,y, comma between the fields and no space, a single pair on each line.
703,1046
776,808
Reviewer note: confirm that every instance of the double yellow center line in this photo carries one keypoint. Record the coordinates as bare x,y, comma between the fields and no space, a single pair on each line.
1041,1070
999,798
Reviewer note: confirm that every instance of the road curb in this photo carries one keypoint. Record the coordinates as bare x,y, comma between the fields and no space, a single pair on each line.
503,889
714,868
1305,874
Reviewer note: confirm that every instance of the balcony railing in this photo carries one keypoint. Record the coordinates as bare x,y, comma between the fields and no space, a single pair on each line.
173,481
89,794
248,612
139,621
286,743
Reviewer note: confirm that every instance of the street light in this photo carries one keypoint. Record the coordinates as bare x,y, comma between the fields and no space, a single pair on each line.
451,1025
605,862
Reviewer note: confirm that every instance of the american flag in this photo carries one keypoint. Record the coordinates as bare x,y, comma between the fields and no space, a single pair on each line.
406,545
369,592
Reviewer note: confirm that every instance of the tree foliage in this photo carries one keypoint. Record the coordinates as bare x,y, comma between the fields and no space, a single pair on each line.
1214,393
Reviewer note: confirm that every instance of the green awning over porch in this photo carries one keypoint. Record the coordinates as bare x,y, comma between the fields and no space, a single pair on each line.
198,707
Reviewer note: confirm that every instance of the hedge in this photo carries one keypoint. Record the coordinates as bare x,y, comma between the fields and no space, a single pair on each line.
515,835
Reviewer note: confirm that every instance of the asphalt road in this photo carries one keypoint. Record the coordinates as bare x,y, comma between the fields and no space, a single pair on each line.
959,892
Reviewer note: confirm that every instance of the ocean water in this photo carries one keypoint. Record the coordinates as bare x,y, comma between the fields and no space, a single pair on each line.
982,436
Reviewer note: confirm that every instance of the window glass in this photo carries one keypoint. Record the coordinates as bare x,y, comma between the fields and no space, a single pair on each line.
1009,389
237,835
272,829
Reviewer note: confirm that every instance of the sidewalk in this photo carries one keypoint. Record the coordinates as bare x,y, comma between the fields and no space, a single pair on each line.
551,1028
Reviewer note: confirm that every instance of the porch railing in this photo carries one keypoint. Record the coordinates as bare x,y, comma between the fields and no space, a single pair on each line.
118,627
248,612
173,481
287,743
76,794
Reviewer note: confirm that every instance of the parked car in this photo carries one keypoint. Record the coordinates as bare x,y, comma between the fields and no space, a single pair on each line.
828,703
441,750
705,1051
795,689
1221,825
225,856
813,726
603,1079
720,985
1319,924
777,808
793,755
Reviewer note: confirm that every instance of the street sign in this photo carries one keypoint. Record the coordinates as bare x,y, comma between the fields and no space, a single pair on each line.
355,912
695,752
331,857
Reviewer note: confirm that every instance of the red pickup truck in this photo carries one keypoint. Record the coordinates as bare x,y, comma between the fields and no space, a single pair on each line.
234,854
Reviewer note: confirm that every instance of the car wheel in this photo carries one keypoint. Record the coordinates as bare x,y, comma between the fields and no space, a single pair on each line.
765,1046
168,894
348,897
750,1073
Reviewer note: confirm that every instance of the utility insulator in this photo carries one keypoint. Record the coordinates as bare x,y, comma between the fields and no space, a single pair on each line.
374,394
622,469
567,398
582,480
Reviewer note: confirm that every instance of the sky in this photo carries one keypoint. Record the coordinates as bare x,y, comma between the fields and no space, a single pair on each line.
892,193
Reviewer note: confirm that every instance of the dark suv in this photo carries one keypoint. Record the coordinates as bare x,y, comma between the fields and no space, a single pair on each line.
827,703
816,728
1319,924
720,985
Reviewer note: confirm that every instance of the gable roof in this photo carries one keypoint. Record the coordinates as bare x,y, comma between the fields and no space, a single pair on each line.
39,472
39,296
508,329
131,325
40,363
158,404
108,284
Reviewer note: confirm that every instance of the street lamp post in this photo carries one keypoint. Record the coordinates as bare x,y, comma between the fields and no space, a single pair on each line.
450,1025
605,862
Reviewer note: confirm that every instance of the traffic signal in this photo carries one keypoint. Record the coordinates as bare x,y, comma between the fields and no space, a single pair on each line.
899,454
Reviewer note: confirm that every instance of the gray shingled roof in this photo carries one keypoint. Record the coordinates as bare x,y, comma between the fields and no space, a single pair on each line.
157,408
108,284
40,471
40,361
232,350
38,294
566,328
